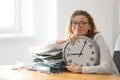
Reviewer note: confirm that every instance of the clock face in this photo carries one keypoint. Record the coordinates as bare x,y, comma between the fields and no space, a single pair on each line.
84,52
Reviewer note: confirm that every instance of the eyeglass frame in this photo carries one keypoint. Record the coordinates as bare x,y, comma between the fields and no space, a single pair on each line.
80,24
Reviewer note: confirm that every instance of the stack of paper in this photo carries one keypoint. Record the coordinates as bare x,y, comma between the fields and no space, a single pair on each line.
47,59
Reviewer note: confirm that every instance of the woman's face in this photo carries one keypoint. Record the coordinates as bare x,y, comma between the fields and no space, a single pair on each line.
80,25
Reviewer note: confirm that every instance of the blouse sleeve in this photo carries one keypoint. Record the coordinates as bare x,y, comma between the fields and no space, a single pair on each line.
106,63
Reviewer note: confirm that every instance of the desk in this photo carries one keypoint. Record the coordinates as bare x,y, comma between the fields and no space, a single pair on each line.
6,73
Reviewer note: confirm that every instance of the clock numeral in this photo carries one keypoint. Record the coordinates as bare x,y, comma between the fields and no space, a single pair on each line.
68,49
93,52
81,65
90,46
92,59
69,61
88,64
68,54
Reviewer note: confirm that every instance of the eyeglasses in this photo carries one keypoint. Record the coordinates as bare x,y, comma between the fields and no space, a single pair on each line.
80,24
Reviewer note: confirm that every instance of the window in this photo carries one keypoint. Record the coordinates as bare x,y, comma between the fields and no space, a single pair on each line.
9,16
16,18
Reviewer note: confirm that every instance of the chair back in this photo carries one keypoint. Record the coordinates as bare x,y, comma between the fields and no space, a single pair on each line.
116,58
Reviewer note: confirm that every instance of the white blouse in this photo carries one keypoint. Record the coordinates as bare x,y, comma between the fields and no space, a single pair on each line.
106,62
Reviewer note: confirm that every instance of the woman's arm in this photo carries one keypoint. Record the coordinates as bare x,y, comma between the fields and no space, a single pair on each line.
106,62
61,41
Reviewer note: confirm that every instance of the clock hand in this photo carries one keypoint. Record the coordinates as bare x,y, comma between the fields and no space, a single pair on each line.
74,54
82,49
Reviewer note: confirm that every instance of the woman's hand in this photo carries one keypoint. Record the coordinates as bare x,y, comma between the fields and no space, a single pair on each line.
74,68
72,38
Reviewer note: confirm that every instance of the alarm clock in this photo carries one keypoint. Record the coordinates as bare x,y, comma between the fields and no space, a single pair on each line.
84,52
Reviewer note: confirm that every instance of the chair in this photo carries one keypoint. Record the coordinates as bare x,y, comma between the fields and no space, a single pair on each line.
116,56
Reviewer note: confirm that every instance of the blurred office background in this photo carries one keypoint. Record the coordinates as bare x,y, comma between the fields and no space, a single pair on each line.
39,21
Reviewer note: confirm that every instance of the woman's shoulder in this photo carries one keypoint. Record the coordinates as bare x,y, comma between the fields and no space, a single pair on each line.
97,35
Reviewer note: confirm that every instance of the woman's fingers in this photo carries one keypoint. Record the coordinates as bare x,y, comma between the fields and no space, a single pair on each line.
72,38
74,68
70,66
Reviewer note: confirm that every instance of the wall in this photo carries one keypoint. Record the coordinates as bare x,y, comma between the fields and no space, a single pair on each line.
13,49
116,27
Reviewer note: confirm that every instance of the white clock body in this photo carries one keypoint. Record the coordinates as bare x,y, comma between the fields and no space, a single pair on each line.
84,52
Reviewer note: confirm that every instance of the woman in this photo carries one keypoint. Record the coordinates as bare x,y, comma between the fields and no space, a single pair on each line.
81,24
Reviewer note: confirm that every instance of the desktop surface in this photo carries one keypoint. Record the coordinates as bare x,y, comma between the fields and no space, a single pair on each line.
9,72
